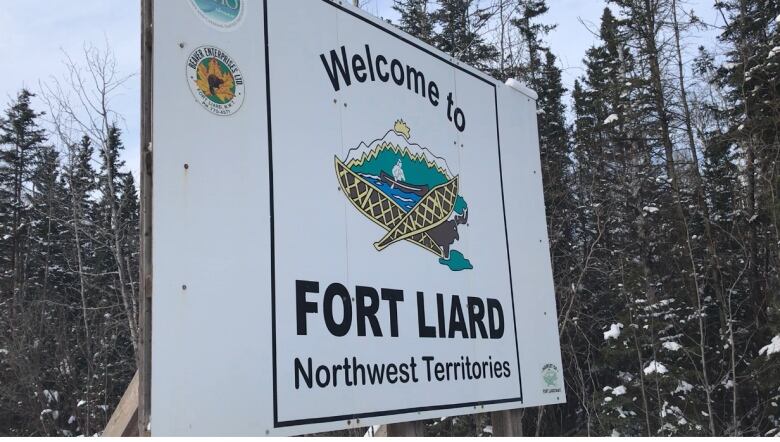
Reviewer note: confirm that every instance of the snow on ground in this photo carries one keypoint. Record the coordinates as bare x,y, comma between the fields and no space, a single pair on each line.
773,347
611,119
614,332
620,390
655,367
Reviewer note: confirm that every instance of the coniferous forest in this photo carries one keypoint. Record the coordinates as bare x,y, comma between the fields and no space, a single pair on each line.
661,172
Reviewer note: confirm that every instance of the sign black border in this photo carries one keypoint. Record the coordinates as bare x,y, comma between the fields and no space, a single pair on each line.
297,422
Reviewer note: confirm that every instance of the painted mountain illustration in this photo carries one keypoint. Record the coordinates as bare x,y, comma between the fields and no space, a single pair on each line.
408,191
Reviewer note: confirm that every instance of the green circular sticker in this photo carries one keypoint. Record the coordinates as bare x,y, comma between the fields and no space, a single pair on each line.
222,14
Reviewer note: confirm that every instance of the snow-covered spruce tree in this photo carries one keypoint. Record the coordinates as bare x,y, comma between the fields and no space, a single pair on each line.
103,294
616,183
129,225
415,18
749,129
65,350
21,142
48,280
689,267
531,47
458,24
46,276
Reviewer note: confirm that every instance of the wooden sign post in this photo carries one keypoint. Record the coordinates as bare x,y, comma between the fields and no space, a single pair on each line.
145,287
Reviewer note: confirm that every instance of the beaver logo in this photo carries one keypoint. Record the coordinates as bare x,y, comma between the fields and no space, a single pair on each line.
215,80
409,192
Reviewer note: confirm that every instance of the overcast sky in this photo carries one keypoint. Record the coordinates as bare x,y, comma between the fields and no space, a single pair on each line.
35,35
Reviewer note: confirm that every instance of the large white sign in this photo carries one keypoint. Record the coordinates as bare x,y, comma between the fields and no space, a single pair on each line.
348,225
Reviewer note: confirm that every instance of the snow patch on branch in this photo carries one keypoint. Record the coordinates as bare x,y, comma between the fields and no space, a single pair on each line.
671,346
613,332
773,347
51,396
650,209
683,387
655,367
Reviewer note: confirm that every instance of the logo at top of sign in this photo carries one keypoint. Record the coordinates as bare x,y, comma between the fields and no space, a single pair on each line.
215,80
222,14
408,191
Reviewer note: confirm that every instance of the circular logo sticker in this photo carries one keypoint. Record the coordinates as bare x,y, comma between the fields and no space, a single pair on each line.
215,80
223,14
